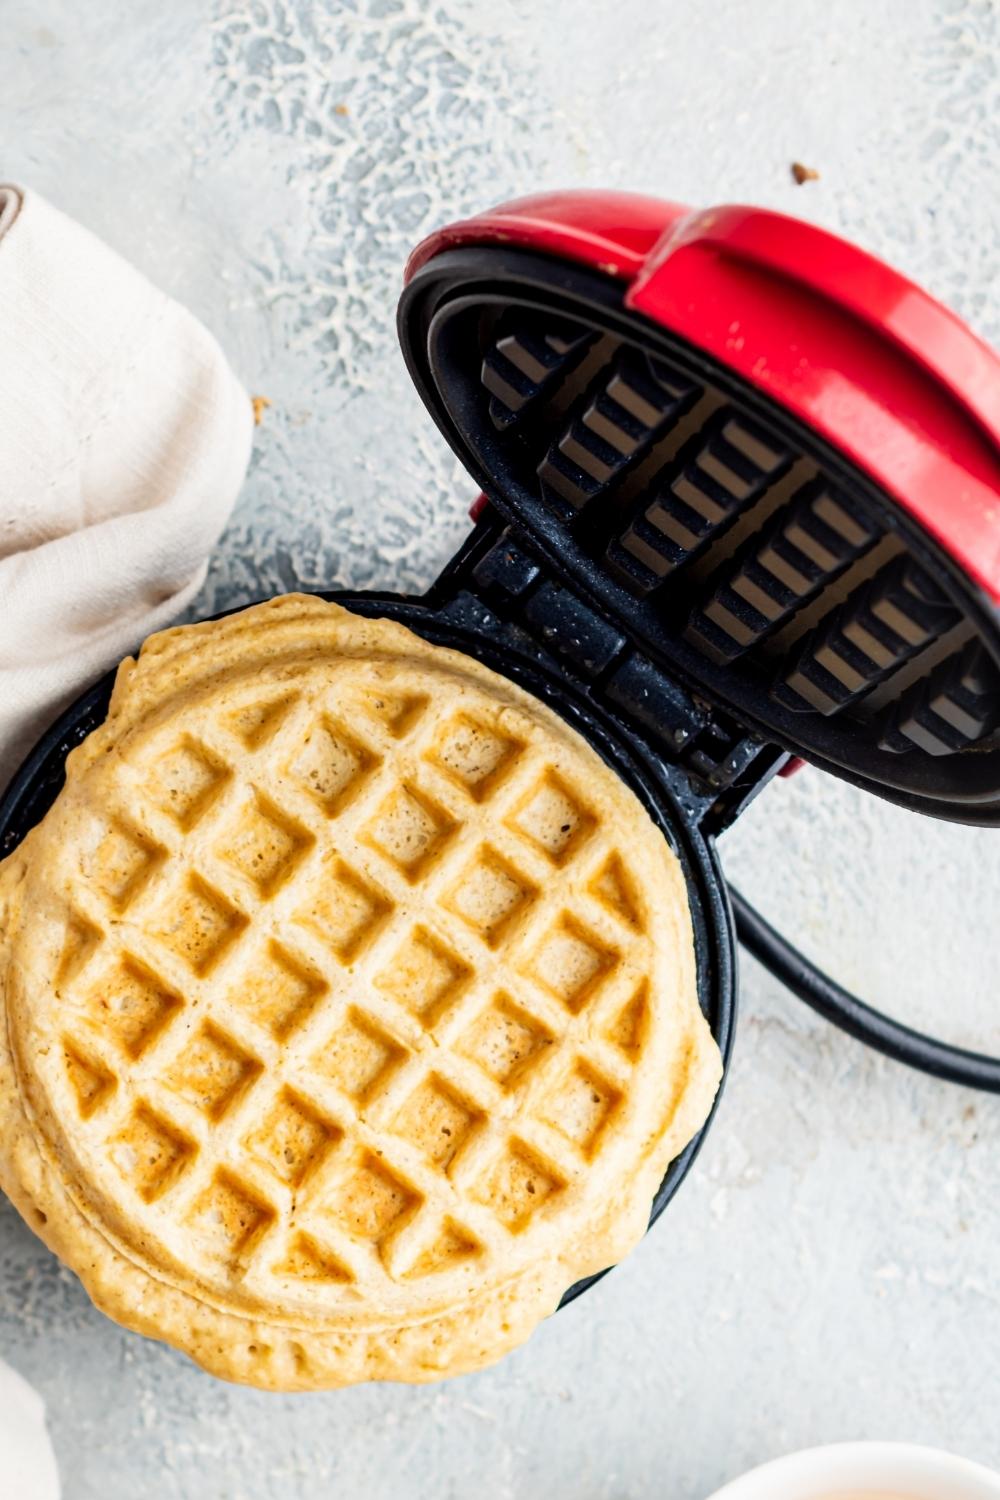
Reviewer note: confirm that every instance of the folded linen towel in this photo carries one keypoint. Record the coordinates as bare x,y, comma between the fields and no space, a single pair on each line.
124,438
27,1463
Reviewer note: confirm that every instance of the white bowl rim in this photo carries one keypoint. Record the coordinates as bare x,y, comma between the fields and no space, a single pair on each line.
911,1469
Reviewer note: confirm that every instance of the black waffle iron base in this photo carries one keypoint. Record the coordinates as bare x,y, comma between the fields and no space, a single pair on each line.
454,614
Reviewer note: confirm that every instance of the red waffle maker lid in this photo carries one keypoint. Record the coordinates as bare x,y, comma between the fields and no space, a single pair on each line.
768,458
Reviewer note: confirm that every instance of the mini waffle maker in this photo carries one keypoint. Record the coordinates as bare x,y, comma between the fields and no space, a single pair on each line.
741,505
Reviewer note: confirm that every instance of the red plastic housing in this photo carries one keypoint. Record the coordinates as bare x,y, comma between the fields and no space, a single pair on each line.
868,360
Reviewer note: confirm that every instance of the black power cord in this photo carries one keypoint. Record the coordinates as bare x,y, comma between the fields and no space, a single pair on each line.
843,1009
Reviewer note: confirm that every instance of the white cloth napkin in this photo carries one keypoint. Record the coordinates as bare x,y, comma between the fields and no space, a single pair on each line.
27,1463
124,438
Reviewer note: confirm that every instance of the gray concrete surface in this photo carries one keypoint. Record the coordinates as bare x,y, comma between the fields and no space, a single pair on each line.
831,1269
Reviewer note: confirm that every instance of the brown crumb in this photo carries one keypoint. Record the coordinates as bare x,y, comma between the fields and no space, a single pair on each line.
341,109
260,405
803,174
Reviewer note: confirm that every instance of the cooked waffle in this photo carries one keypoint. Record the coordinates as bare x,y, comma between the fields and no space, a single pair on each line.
351,1011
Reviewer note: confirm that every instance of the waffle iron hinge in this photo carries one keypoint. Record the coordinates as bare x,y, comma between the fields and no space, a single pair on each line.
498,582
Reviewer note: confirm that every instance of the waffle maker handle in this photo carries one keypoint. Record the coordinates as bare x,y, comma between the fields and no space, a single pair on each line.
925,1053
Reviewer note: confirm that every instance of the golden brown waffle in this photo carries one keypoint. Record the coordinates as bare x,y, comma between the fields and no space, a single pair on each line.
351,1012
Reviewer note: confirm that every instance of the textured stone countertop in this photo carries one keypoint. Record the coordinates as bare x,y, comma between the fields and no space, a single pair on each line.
831,1268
